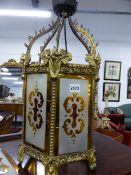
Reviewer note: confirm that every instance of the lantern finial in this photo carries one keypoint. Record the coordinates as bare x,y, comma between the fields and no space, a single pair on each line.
68,7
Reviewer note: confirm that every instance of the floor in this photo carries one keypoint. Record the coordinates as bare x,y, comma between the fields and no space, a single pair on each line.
12,147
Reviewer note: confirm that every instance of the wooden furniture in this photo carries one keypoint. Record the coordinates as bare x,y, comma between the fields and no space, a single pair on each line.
6,123
113,135
113,158
17,108
11,136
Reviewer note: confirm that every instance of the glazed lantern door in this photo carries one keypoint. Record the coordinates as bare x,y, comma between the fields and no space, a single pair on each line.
36,90
73,120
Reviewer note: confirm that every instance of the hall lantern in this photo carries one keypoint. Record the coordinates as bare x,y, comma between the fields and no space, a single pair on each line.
60,98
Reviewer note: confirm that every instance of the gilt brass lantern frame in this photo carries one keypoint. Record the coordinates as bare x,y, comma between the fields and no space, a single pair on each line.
55,64
50,154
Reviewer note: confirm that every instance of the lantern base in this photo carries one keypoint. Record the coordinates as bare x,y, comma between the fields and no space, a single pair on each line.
52,163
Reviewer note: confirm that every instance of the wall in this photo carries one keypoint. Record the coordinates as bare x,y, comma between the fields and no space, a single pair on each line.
117,51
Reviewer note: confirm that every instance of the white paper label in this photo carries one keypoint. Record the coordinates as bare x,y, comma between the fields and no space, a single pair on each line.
74,87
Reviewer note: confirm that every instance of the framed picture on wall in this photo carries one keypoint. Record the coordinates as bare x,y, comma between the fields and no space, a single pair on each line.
113,89
129,84
112,70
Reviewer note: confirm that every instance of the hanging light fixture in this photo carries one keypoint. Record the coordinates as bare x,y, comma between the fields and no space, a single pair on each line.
60,99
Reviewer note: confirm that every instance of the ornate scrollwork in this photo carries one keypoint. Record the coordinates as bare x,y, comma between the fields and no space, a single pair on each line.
36,68
25,59
39,34
42,157
11,63
92,158
93,60
74,123
78,69
69,158
54,59
89,155
36,101
87,40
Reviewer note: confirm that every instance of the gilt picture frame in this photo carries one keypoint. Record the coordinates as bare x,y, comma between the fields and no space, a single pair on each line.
112,70
113,89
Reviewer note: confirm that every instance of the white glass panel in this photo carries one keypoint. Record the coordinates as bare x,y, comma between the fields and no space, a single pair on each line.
73,122
36,109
